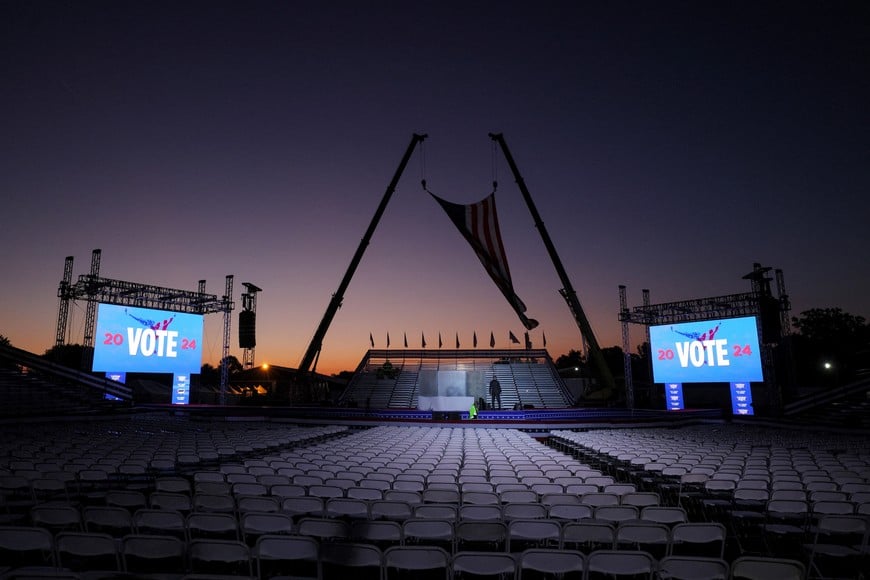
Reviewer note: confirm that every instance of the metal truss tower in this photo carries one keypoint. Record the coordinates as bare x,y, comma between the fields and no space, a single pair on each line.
91,313
63,294
227,303
626,351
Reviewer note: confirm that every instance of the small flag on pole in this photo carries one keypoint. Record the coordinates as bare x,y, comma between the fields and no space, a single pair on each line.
544,335
474,339
423,339
372,340
457,340
440,343
388,340
405,334
528,342
491,340
513,339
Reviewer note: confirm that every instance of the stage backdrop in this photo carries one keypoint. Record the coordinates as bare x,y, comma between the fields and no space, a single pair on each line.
449,390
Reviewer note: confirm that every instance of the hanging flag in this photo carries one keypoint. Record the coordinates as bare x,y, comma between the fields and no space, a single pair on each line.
388,340
528,342
372,340
513,339
440,344
423,339
491,340
478,224
544,335
405,334
474,339
457,340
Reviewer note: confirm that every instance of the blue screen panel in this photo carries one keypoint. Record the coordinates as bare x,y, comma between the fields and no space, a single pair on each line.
181,389
710,351
741,399
674,396
143,340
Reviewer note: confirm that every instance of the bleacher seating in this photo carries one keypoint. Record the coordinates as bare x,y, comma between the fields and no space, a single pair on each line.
390,379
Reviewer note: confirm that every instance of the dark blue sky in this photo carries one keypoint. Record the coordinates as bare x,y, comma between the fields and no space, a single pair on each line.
667,145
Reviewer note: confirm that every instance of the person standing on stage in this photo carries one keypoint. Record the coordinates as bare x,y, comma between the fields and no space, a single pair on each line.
495,393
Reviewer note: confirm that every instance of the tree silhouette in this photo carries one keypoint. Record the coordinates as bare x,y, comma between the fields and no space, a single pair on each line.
830,345
68,355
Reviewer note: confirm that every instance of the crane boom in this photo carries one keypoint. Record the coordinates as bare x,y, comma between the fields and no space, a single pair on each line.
567,291
313,352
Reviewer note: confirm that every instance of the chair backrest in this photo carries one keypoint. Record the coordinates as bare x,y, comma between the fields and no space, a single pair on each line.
212,525
285,555
225,557
148,554
483,564
518,496
415,559
323,529
157,521
107,519
303,506
616,513
82,552
480,512
57,517
421,530
473,535
254,524
552,562
170,501
705,539
599,499
664,514
523,511
640,498
390,510
343,559
762,568
549,499
381,533
539,533
569,512
693,568
635,534
436,511
618,563
343,507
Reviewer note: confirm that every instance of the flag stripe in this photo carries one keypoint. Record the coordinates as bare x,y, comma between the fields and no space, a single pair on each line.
481,220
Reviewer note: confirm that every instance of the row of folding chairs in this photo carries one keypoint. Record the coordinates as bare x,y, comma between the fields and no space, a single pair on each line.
726,446
306,556
171,442
62,516
303,557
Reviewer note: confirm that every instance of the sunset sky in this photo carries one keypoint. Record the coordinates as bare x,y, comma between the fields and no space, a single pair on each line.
667,145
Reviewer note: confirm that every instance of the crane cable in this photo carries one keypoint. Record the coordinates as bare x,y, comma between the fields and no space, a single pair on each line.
494,165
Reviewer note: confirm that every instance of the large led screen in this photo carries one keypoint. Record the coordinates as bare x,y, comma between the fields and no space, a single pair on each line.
142,340
710,351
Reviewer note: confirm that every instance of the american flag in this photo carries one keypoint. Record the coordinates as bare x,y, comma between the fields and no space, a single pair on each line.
478,224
